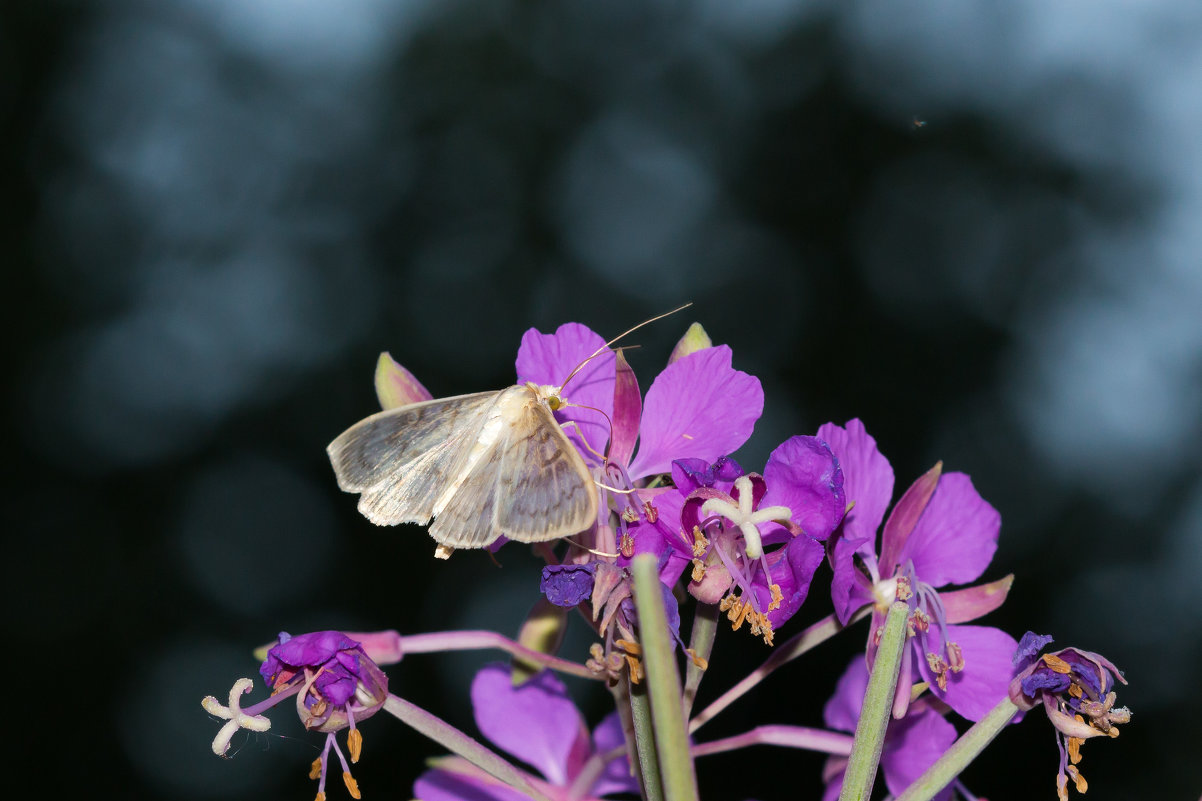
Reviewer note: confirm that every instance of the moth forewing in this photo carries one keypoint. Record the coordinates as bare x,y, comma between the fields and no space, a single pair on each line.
546,491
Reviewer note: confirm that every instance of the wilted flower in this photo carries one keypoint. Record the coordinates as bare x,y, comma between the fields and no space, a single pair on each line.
1076,689
940,532
537,723
335,683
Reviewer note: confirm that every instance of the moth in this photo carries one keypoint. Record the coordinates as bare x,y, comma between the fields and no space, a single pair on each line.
482,466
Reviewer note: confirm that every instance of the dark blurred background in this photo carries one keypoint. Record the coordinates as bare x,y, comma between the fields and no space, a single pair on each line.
976,228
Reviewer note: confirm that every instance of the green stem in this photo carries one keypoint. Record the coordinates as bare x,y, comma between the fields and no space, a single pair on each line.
875,712
644,737
459,743
663,682
962,752
701,643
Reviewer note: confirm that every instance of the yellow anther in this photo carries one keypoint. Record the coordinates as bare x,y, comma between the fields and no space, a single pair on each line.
1078,779
1057,664
698,570
352,786
629,515
697,660
354,743
629,647
636,669
315,769
777,597
320,797
700,543
651,513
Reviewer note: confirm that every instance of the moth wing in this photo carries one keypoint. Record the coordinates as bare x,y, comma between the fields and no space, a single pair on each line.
402,459
467,520
545,490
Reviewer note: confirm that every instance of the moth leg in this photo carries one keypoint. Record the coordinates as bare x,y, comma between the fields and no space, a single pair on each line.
584,439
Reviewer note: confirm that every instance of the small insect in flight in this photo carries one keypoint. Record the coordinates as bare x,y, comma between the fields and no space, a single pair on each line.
482,466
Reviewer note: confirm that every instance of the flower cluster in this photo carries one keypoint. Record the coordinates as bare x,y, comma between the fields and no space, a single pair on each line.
679,521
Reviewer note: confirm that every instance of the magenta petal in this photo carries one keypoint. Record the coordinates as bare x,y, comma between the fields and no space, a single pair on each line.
842,711
440,785
536,722
615,778
956,536
548,359
988,669
793,574
851,589
912,745
628,408
803,474
961,606
697,407
867,476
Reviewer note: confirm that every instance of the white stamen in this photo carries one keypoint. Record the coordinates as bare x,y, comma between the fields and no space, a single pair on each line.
234,714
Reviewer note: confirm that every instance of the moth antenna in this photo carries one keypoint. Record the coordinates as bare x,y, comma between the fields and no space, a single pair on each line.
606,346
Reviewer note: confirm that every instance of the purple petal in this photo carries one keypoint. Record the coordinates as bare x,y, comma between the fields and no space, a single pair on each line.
697,407
1028,648
692,474
628,408
440,785
912,745
961,606
956,536
842,711
615,778
793,574
803,474
663,535
536,722
988,668
867,476
304,650
850,588
567,585
548,359
904,518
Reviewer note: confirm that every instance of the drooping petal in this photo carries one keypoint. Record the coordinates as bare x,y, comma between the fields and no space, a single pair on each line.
700,407
867,476
803,474
850,588
912,745
628,408
548,359
396,386
536,722
904,517
793,574
956,536
615,778
970,603
988,669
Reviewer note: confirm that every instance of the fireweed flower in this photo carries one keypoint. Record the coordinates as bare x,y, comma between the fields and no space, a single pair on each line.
335,683
941,532
1076,689
726,524
912,744
537,723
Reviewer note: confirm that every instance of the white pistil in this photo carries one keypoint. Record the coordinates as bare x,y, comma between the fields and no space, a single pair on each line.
745,517
234,714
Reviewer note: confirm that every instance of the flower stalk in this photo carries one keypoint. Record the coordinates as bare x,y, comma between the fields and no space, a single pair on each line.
663,683
875,713
962,752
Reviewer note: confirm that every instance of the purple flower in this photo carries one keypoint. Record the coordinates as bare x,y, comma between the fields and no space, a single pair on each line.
941,532
335,683
1076,689
538,724
726,524
567,585
912,744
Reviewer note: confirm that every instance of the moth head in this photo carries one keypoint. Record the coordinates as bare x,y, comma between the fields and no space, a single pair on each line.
549,395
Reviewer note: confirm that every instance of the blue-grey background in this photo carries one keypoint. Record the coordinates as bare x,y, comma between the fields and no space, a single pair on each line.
976,227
